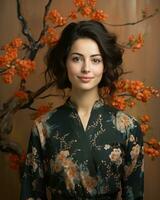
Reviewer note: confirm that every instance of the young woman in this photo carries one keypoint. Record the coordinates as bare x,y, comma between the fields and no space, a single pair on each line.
84,149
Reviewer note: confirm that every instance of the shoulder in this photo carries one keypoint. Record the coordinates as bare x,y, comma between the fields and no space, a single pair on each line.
49,115
122,120
118,114
128,121
130,126
43,124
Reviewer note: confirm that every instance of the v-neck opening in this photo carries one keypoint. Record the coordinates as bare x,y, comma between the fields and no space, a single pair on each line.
90,115
97,104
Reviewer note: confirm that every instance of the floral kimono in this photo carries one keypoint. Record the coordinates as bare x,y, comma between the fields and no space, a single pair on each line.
66,161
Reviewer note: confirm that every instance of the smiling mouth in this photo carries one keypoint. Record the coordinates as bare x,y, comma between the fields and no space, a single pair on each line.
85,79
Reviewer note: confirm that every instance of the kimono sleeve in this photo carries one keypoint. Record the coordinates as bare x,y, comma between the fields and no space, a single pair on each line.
33,182
133,179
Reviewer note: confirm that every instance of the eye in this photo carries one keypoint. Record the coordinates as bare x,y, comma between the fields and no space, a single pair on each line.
76,59
96,60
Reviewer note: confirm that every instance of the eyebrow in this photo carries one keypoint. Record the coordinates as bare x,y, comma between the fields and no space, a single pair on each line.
82,54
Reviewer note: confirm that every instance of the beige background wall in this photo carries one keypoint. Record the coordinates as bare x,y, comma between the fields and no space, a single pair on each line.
145,65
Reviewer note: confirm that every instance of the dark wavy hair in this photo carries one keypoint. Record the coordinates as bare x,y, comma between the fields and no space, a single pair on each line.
110,50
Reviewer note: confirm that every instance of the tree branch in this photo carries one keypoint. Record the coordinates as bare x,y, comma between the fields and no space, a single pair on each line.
34,45
25,29
137,22
44,20
34,95
3,70
50,95
9,146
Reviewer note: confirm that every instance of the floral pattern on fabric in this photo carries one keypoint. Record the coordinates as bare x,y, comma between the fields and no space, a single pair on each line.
71,162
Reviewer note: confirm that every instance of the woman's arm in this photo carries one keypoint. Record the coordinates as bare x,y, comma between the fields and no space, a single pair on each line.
133,179
33,181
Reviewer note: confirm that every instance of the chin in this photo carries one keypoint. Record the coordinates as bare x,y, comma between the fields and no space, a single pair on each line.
87,88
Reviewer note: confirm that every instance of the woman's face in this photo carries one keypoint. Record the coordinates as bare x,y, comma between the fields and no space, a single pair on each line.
84,65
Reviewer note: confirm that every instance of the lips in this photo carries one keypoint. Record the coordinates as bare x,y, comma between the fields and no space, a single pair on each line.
85,79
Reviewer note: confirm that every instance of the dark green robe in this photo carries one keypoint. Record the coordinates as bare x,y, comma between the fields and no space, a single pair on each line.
101,162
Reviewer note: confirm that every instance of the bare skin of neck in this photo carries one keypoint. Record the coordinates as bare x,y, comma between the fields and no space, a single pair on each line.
84,101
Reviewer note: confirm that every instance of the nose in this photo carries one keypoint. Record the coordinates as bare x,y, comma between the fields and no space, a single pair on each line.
85,67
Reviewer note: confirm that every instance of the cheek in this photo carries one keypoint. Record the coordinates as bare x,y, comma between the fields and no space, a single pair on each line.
98,70
72,71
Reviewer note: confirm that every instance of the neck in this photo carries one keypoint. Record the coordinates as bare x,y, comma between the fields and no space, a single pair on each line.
84,101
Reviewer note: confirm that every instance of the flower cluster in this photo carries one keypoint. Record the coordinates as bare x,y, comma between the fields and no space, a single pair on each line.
17,161
135,42
42,109
24,67
144,123
73,14
128,91
9,74
12,65
21,95
119,102
50,37
82,3
55,17
10,52
152,148
87,9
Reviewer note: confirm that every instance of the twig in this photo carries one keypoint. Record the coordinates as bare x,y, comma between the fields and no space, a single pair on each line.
3,70
125,95
43,88
10,146
137,22
50,95
34,95
31,108
25,29
44,20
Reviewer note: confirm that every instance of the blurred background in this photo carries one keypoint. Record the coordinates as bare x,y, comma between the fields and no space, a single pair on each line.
144,64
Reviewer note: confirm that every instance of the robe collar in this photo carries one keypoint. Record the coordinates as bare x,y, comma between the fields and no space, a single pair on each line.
98,103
